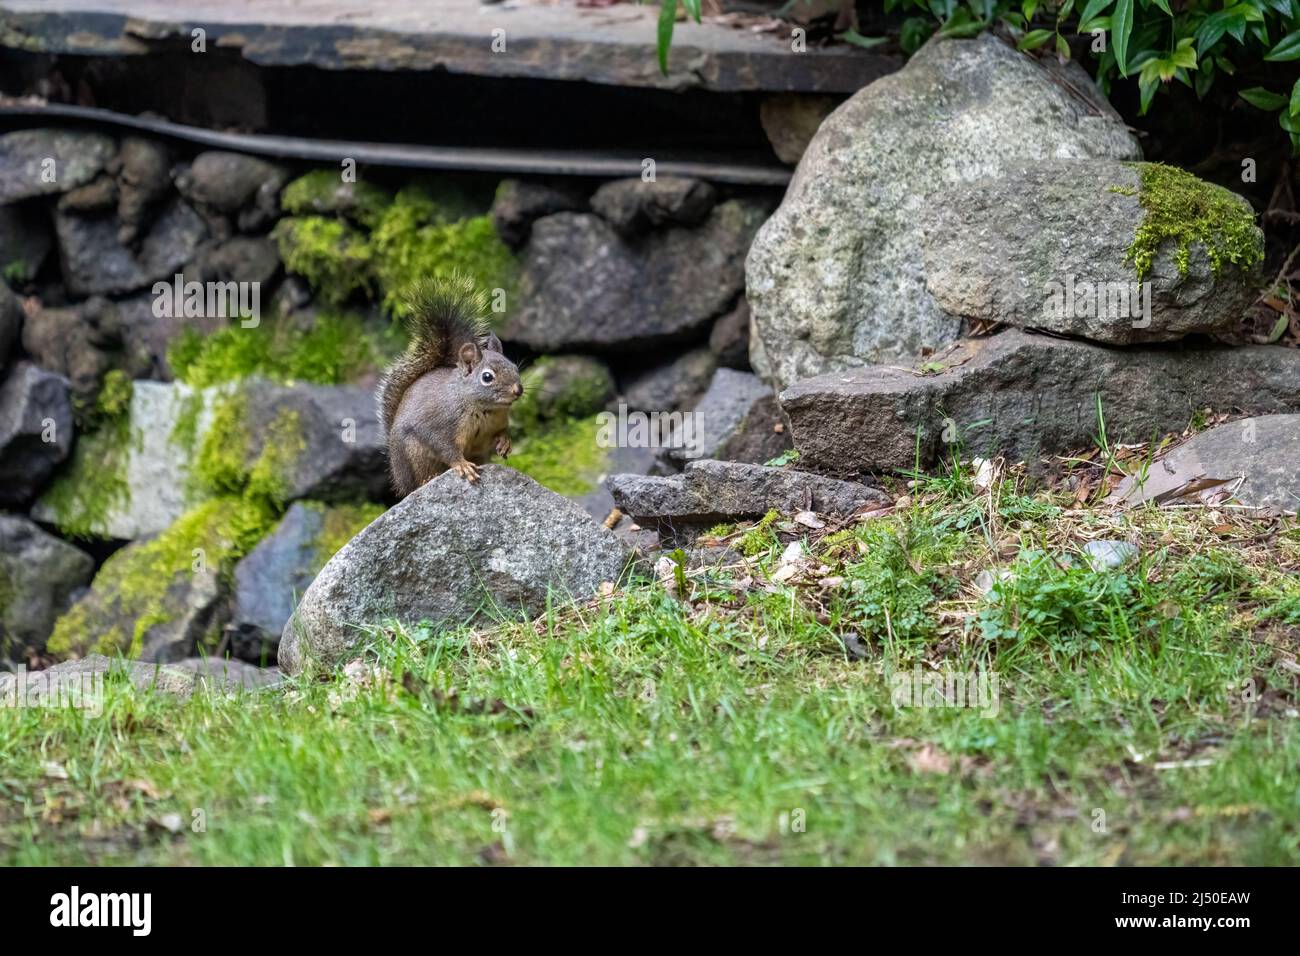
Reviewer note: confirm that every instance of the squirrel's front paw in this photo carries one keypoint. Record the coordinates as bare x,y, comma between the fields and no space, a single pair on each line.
467,470
502,445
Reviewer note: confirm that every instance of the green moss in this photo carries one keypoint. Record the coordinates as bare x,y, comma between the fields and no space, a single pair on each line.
561,387
93,482
408,247
339,525
130,592
15,273
1183,209
760,537
114,399
333,257
563,457
429,229
229,461
336,348
323,191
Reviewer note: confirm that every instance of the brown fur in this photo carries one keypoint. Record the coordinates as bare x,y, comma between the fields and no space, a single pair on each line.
438,411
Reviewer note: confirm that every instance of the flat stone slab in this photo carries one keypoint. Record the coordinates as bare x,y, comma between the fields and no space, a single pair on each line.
80,682
1257,458
1025,396
709,492
614,45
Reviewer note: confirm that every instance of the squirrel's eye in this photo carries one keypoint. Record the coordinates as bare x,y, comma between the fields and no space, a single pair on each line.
487,377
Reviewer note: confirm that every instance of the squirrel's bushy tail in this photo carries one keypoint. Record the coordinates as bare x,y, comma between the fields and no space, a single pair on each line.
442,315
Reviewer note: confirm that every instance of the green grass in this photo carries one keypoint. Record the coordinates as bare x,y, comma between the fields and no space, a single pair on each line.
733,727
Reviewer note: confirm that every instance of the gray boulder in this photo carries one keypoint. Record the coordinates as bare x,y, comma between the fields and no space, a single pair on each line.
1024,396
239,259
143,181
39,575
447,554
233,184
96,261
340,453
151,335
709,492
1047,246
84,342
633,206
1258,457
836,277
519,203
78,158
585,287
35,431
736,419
227,676
271,578
82,682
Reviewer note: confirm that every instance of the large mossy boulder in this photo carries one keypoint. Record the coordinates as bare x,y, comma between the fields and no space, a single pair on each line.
178,446
836,276
1118,253
161,598
449,553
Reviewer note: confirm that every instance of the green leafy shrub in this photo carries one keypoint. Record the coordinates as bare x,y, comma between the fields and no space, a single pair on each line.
891,594
1148,42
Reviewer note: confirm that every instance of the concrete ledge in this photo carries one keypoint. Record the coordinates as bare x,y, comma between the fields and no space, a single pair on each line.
613,45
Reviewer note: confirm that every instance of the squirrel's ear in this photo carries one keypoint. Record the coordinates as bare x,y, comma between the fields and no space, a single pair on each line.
468,357
492,343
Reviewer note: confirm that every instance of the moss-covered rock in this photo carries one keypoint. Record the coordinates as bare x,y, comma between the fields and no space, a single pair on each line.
413,241
277,444
158,599
130,477
334,348
429,229
1184,210
334,257
1116,253
233,459
323,192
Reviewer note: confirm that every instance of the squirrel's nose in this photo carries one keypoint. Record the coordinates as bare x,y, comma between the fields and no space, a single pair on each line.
518,389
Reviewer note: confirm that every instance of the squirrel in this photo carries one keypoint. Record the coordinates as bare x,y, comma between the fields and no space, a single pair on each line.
445,403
